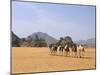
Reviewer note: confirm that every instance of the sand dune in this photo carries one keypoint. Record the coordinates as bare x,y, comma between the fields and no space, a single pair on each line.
27,59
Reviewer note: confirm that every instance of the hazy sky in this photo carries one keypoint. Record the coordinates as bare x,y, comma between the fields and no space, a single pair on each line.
57,20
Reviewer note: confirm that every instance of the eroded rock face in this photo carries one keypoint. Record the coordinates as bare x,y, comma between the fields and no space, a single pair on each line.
15,40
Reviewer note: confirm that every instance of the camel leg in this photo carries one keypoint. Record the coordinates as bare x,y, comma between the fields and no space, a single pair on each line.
61,51
56,53
72,54
83,54
76,55
66,53
51,52
79,54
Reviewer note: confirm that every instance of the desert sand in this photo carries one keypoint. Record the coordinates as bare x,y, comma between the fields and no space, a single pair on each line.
31,60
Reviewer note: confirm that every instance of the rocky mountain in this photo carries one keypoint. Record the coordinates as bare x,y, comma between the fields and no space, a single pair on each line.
89,42
15,40
44,36
41,39
34,40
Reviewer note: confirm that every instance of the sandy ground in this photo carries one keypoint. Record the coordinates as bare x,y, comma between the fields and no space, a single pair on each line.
27,60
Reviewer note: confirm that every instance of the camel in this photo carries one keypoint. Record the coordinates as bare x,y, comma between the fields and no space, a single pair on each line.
66,50
53,49
60,49
74,50
80,51
50,47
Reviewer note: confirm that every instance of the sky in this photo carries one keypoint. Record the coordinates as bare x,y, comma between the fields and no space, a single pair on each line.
57,20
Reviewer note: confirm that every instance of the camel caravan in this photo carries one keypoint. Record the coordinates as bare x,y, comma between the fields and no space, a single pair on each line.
66,47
